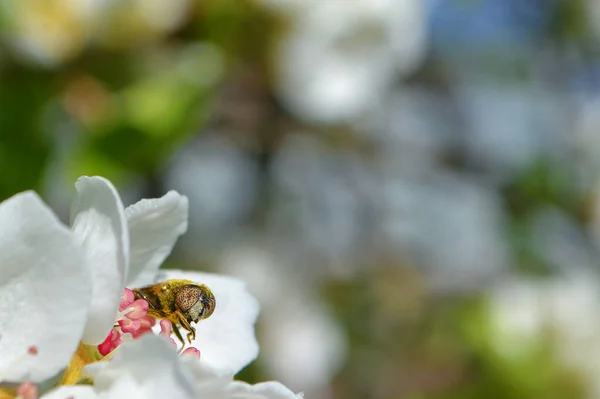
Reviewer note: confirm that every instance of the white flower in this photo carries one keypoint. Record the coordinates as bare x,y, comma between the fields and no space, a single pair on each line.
44,290
226,340
98,222
59,286
50,32
524,311
154,226
149,368
109,234
339,57
145,368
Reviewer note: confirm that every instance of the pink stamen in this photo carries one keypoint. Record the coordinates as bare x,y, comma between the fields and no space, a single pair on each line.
32,350
165,328
129,326
27,390
165,331
126,299
137,309
146,324
111,342
132,319
191,351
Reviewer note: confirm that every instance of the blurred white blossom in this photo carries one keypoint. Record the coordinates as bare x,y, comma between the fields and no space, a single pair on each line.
527,310
511,126
338,57
161,16
450,225
50,32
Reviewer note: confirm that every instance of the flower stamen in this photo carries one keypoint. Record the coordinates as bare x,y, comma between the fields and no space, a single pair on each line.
132,319
27,390
191,351
166,328
165,331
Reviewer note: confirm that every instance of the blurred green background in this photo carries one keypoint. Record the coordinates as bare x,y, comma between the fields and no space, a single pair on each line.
410,187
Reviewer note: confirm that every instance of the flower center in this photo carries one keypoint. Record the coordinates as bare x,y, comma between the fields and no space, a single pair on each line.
132,319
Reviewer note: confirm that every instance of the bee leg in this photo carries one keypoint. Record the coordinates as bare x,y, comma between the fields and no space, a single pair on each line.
178,334
191,335
184,323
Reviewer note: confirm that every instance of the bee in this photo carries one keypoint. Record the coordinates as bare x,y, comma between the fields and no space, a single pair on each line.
179,301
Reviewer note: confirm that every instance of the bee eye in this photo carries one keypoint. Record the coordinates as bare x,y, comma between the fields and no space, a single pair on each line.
187,297
209,307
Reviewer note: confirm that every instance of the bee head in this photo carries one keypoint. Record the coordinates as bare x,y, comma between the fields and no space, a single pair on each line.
197,302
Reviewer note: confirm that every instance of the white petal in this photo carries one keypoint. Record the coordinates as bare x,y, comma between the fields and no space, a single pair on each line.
226,339
264,390
72,391
208,382
44,290
202,373
126,387
154,226
211,384
154,366
98,221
